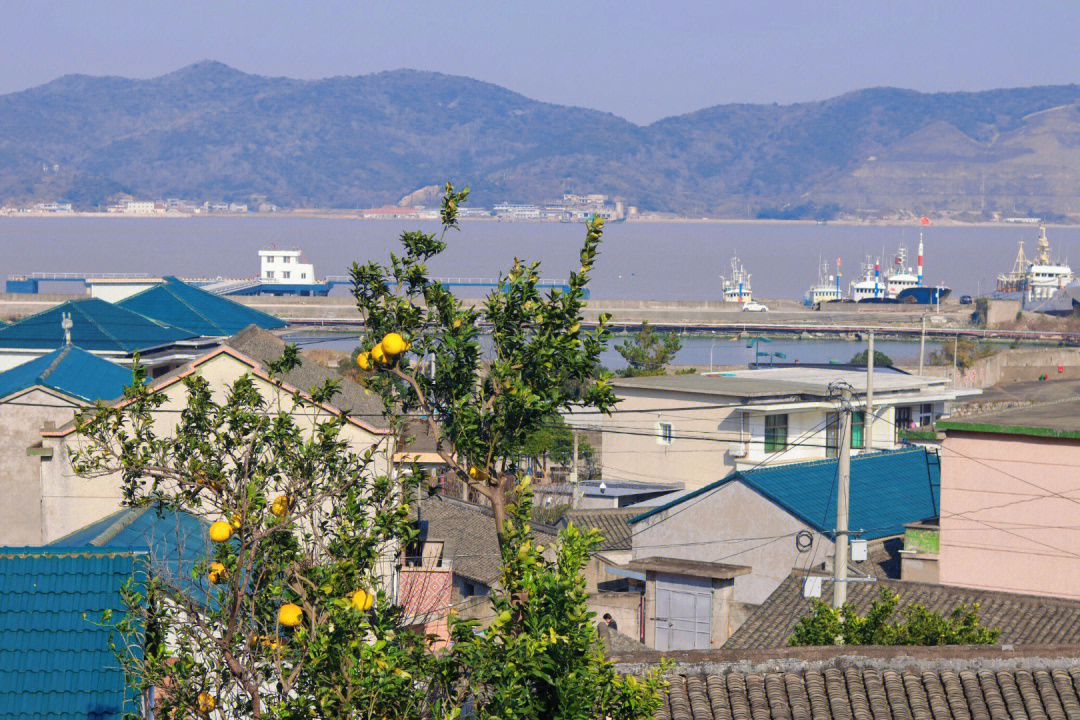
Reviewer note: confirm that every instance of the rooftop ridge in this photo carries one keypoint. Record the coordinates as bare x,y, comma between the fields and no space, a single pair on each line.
64,352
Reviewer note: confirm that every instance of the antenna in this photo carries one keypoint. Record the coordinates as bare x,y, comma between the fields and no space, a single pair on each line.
67,325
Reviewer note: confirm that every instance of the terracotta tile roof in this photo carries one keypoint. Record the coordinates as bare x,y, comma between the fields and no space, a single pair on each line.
1022,619
265,347
854,693
467,532
612,524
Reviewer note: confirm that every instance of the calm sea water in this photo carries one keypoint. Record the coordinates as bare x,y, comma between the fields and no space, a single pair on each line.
662,261
717,350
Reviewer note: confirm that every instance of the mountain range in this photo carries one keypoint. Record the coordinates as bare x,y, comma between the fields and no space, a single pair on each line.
210,132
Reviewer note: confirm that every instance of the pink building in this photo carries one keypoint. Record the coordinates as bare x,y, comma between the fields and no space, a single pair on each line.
1010,500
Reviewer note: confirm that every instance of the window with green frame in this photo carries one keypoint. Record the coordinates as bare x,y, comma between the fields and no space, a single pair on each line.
832,432
775,433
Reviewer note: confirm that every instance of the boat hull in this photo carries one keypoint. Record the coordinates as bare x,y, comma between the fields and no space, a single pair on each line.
923,295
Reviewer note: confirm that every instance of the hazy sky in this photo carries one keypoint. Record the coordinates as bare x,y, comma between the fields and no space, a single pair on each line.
640,60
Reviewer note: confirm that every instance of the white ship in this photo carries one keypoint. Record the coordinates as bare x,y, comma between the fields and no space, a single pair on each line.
737,288
870,288
827,288
901,277
1035,280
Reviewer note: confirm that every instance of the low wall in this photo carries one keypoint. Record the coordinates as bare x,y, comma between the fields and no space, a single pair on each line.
625,608
1011,366
1001,312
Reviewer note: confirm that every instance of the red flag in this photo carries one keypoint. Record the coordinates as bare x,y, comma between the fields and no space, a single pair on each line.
925,221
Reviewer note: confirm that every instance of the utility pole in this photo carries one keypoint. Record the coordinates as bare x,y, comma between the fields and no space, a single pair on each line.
922,343
574,497
868,420
840,557
955,344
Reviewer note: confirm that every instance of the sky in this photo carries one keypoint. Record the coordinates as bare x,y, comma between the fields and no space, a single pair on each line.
638,59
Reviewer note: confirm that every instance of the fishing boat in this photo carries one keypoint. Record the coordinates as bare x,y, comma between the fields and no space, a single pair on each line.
870,288
737,288
907,287
1035,280
827,288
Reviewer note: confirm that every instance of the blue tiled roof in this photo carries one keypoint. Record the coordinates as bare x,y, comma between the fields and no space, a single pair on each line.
55,662
174,541
97,326
888,489
204,313
69,370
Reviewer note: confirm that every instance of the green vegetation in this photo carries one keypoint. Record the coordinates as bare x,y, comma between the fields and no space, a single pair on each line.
880,359
292,614
647,352
830,626
967,351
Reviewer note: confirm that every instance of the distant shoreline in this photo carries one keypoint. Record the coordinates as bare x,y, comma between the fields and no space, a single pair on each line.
352,215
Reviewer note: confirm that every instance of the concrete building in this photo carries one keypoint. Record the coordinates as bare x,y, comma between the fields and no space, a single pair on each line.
69,502
42,394
278,265
1010,500
692,429
775,518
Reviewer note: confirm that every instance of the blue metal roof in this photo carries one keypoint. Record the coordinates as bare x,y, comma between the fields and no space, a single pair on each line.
55,660
888,489
176,303
69,370
97,326
174,541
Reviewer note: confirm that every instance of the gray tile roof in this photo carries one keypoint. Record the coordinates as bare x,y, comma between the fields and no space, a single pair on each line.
1022,619
468,535
612,524
265,347
952,691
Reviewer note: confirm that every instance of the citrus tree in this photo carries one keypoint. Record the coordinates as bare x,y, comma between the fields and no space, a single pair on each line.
423,348
289,613
540,657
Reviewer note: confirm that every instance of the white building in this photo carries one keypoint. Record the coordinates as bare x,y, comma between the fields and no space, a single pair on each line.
277,265
139,207
693,429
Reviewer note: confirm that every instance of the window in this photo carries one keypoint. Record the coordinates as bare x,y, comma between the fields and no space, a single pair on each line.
270,274
286,259
858,430
468,590
775,433
303,276
285,274
832,432
665,433
926,414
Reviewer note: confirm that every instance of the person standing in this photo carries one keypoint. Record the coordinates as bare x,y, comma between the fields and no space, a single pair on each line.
612,625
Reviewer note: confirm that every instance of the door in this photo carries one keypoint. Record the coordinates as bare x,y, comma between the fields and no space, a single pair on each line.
683,612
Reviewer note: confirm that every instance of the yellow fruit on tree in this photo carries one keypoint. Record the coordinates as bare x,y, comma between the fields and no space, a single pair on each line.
206,702
393,344
281,505
217,572
290,615
236,521
476,473
221,531
378,355
363,361
359,599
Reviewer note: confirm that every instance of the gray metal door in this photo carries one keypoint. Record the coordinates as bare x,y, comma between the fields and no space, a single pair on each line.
683,612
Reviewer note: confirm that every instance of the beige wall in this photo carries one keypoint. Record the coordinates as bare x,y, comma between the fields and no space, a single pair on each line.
22,417
631,450
625,609
998,530
705,436
732,524
70,502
